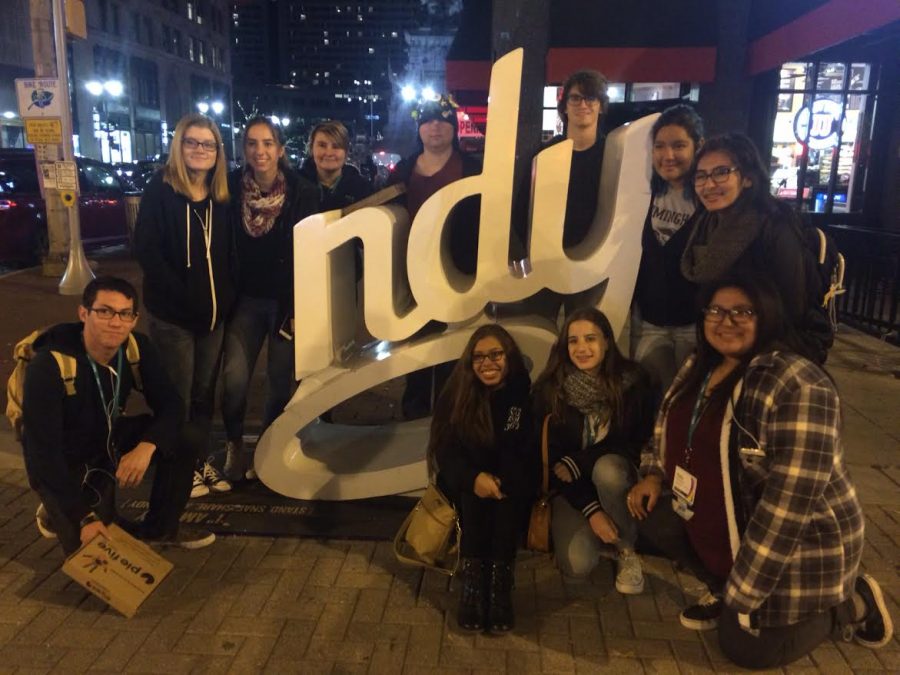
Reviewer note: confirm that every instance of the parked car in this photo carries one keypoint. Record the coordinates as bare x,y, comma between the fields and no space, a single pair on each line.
23,218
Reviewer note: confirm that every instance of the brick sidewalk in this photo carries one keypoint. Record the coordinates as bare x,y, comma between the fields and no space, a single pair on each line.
251,605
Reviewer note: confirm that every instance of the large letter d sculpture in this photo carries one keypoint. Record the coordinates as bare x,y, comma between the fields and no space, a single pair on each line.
409,280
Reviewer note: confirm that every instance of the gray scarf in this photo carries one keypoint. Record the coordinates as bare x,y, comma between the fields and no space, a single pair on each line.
718,241
582,391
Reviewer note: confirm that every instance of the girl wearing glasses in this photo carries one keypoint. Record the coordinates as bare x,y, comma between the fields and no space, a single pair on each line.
183,243
600,406
744,230
481,448
269,199
662,321
745,485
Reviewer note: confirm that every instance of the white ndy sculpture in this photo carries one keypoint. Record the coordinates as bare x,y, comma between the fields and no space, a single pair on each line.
409,280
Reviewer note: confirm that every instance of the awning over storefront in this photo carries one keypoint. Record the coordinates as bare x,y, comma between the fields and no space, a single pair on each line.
825,26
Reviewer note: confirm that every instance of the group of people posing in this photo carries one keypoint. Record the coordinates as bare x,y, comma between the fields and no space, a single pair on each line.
717,444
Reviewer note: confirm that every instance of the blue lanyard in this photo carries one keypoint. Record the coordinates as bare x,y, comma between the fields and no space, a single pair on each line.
110,409
699,407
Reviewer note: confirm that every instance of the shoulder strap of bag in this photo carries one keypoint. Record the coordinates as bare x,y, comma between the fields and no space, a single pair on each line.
133,355
545,470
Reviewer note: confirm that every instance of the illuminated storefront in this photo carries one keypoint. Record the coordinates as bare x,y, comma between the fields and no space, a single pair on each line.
822,132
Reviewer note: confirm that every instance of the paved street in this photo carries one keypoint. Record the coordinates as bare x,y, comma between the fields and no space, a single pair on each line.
250,604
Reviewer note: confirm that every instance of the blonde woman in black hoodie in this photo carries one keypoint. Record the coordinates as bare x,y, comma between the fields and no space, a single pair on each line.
183,243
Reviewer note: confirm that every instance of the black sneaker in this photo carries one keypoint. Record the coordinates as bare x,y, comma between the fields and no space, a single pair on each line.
876,629
189,537
704,615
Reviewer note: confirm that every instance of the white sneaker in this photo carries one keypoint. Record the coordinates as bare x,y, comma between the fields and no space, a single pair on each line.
199,488
42,519
630,576
215,481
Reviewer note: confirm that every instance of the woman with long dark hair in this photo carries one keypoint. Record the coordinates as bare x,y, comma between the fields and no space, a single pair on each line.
662,319
481,449
601,412
183,243
269,199
744,230
745,485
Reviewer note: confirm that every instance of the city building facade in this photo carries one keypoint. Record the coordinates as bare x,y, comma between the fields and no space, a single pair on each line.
143,66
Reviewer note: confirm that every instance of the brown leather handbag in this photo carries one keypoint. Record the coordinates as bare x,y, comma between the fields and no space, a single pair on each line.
539,523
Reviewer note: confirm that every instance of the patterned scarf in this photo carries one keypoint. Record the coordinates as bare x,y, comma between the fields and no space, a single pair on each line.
582,391
258,212
719,239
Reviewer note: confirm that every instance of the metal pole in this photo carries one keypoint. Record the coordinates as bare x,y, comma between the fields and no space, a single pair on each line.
78,272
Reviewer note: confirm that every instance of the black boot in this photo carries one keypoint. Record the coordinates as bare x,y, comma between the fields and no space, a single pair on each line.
470,614
500,610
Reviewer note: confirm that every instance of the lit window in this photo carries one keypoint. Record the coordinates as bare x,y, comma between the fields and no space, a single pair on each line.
190,10
371,50
325,41
393,33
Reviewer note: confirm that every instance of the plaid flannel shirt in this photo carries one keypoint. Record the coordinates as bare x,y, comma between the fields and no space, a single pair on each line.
794,512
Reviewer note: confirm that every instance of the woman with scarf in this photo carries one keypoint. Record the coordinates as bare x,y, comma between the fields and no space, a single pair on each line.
269,198
481,449
600,408
744,230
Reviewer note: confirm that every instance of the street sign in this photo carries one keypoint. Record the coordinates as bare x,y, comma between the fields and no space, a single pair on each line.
38,97
67,176
44,130
47,152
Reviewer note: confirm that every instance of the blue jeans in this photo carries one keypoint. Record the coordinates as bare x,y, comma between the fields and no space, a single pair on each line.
192,363
660,349
577,548
254,320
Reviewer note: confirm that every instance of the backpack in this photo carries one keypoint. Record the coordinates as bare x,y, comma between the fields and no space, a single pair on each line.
824,272
23,352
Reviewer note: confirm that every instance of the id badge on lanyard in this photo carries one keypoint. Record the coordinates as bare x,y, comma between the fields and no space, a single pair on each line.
684,483
684,487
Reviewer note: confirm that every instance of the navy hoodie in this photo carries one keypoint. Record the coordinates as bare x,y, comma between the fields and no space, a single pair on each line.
182,286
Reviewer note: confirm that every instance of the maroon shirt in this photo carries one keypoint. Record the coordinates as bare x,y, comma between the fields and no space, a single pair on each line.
419,187
708,529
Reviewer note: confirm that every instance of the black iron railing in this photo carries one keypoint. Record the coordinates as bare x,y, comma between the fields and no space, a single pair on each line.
872,280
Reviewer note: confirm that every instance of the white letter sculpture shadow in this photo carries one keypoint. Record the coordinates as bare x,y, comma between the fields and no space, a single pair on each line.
409,279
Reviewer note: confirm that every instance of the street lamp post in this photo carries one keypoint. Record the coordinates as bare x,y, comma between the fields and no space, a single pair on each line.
101,90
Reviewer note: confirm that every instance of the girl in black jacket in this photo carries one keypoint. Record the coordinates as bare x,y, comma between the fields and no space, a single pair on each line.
481,448
269,199
601,414
183,243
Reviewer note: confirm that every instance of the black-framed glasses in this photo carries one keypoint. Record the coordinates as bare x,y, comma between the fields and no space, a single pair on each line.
107,313
193,144
719,175
716,314
578,99
495,356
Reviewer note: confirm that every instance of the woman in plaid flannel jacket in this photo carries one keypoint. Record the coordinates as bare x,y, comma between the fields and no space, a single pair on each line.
784,500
